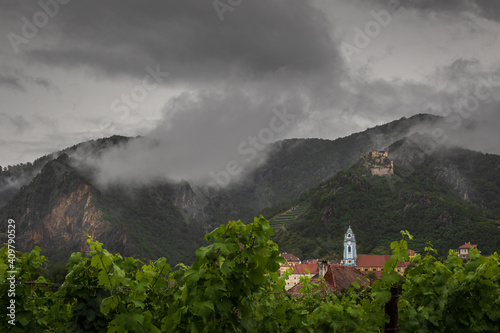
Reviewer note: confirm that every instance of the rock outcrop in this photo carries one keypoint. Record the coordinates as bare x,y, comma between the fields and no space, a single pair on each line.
57,211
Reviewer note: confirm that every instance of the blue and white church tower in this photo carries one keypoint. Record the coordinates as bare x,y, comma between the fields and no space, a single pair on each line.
350,254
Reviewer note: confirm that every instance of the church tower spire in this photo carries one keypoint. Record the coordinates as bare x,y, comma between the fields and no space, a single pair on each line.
350,254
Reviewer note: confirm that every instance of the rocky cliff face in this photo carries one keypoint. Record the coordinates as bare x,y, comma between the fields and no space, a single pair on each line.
57,211
419,151
451,176
191,203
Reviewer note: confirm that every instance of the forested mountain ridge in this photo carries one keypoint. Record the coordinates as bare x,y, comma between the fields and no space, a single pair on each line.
305,161
169,218
448,197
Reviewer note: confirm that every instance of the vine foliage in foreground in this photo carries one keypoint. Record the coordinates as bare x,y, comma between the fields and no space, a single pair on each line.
233,286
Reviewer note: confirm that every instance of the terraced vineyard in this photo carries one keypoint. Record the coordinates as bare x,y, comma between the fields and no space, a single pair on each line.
291,215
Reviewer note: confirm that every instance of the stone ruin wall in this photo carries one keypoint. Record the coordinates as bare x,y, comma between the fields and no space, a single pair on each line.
378,168
380,171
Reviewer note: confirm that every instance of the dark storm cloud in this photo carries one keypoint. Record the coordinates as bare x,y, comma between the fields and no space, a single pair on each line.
204,130
187,39
446,5
264,58
234,75
489,9
11,82
463,92
469,101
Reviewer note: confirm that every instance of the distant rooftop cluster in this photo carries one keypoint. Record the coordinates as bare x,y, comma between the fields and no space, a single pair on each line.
354,267
336,277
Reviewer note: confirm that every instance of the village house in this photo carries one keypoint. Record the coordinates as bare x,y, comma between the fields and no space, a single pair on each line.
298,271
463,251
290,259
293,263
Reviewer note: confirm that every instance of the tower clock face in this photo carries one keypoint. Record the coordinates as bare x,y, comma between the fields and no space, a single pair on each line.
349,243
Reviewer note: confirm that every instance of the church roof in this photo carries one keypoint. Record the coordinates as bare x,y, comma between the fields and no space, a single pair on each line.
374,260
349,231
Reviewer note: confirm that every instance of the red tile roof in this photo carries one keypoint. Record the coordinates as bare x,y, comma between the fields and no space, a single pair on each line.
375,260
341,277
337,277
301,268
467,246
289,257
372,260
311,261
324,288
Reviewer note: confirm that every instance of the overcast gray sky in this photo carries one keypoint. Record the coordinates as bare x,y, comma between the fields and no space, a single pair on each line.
204,76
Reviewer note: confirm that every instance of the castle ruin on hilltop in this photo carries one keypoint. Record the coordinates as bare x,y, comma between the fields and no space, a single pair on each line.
378,163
